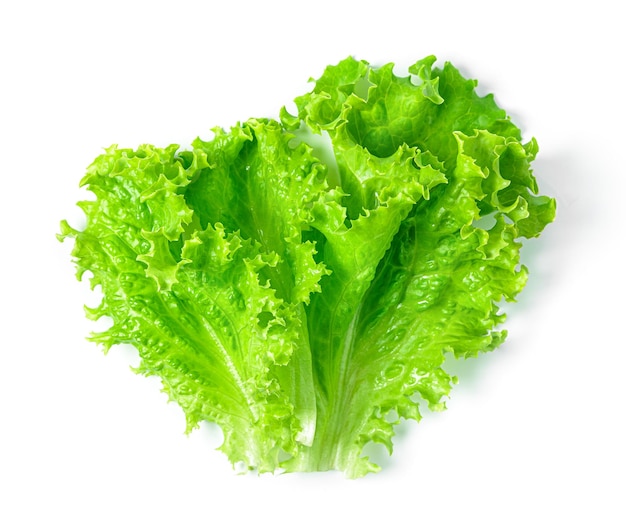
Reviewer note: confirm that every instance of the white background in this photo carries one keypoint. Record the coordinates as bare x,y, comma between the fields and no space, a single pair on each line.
533,435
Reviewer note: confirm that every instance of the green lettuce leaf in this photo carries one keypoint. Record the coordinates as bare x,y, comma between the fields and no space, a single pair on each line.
203,269
413,276
308,315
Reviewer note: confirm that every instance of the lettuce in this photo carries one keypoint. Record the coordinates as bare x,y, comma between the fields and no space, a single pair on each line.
307,306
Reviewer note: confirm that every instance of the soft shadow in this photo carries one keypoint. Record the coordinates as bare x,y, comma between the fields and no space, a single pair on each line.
561,175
